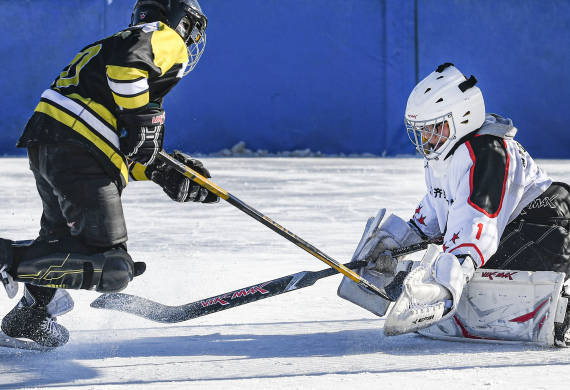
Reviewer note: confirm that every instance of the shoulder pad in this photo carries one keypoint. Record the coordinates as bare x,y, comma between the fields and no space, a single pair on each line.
168,48
498,126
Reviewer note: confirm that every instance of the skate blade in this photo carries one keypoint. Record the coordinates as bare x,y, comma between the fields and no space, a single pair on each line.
11,342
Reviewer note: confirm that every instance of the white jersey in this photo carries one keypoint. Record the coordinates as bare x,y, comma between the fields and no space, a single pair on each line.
475,192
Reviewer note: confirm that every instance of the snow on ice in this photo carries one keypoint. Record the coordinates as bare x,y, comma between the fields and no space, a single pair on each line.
306,338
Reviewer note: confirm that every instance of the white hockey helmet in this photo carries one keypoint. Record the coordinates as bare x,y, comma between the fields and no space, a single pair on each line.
446,95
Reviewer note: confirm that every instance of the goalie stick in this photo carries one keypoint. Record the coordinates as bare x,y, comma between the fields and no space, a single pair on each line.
158,312
225,195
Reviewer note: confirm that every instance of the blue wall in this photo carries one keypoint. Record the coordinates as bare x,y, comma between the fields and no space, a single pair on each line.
329,75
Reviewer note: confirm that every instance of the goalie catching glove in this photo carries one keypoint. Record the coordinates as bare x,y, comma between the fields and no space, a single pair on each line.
430,293
142,134
177,186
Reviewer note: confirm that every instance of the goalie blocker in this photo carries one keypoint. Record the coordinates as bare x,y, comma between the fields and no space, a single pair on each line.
505,306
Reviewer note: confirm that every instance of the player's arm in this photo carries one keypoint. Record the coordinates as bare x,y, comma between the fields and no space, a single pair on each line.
147,61
483,200
425,219
156,61
140,122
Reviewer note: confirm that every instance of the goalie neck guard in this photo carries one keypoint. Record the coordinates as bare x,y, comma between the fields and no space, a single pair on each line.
183,16
445,97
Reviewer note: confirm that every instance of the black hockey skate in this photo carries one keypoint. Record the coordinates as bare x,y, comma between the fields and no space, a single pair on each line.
31,319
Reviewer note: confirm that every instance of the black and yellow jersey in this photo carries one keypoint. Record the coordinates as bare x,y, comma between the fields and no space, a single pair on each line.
125,71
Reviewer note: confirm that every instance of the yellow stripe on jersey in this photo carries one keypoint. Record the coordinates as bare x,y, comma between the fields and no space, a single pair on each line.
78,110
168,48
123,73
79,127
98,108
138,171
126,84
131,103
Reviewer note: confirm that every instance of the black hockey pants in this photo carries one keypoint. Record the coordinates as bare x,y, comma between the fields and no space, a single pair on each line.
539,238
81,243
79,198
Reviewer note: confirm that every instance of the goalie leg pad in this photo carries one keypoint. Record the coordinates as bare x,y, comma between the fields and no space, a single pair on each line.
506,306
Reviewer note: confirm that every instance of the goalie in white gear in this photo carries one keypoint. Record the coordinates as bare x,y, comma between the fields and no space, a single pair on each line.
486,197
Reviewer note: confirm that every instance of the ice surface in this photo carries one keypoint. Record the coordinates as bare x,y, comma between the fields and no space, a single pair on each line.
304,339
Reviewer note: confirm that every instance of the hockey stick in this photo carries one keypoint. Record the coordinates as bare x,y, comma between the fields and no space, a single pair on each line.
158,312
204,182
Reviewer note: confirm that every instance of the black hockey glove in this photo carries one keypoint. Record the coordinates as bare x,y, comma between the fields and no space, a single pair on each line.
142,134
177,186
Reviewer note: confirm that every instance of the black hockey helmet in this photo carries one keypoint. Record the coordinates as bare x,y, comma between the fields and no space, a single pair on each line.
183,16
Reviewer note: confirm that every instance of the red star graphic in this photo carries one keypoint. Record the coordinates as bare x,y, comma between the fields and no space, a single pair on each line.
418,210
445,247
455,237
422,220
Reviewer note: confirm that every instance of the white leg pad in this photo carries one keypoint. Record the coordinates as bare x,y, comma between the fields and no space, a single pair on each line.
506,306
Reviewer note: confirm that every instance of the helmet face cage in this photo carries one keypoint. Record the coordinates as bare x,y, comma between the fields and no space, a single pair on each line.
427,135
193,32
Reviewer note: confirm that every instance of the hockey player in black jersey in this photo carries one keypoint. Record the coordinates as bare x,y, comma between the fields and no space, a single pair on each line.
100,122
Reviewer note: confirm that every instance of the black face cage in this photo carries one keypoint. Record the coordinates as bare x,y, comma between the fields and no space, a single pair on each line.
192,29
